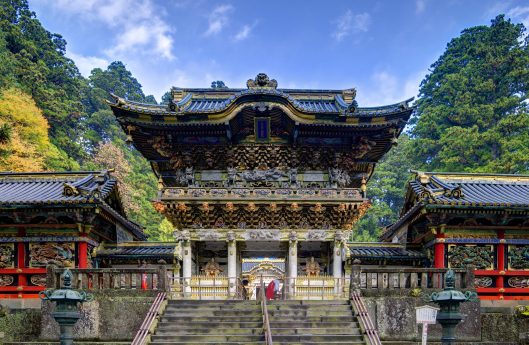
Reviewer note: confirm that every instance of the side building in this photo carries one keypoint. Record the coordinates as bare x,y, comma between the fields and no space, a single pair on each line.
470,219
56,218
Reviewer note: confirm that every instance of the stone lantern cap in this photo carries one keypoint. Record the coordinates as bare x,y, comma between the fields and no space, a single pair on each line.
66,294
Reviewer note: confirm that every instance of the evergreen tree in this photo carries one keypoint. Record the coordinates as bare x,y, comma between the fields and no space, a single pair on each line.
472,112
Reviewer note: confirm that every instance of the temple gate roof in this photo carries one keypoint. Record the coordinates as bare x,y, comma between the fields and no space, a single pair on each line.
199,122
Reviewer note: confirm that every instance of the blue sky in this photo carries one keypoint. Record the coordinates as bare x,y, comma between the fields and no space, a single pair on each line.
383,48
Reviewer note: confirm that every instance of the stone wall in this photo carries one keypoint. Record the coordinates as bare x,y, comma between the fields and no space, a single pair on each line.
394,315
112,315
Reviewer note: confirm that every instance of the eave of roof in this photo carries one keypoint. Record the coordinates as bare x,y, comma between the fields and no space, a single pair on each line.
217,110
139,250
382,250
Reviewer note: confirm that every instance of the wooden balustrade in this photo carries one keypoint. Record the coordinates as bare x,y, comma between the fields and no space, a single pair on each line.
111,278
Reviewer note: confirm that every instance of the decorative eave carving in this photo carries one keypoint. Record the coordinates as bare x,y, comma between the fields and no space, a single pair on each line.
90,186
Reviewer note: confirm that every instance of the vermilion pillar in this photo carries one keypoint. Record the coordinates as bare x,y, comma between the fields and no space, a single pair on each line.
501,259
439,250
83,255
21,259
21,263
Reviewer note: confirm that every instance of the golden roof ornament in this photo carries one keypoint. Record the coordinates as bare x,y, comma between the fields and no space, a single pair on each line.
261,81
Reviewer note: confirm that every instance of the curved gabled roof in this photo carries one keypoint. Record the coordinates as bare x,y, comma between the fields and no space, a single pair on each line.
220,105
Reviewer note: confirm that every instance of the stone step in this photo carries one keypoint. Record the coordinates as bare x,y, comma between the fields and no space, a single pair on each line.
206,343
314,331
309,313
219,338
211,324
323,339
200,311
210,303
206,331
213,318
262,342
308,307
256,308
305,324
313,318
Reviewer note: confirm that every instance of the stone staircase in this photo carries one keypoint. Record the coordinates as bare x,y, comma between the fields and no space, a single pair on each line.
210,322
241,323
314,322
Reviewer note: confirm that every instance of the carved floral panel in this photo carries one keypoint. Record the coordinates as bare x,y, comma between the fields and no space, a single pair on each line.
7,255
481,257
59,254
518,257
6,280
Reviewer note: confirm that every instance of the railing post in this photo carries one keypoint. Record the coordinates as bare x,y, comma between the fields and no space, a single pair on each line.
355,277
163,283
51,277
469,277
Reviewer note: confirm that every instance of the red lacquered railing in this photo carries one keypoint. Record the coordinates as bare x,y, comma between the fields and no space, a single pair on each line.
367,323
504,284
22,282
145,328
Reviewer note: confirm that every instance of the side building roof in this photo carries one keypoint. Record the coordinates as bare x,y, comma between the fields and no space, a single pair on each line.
461,190
65,190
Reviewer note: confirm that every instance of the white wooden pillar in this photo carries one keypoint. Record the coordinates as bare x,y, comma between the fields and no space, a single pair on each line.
337,267
186,266
290,283
337,260
293,259
232,267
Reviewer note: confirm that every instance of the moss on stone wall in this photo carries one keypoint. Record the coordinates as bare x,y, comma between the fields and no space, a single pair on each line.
19,325
111,316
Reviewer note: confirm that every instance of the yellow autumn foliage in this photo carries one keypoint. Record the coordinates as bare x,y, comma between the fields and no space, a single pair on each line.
28,146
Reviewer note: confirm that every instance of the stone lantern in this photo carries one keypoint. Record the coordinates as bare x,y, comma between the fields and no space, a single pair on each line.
449,301
66,313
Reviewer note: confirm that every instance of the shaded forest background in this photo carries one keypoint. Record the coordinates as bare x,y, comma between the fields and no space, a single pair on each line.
472,115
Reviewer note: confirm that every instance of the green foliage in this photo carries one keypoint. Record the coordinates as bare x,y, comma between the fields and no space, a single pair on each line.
166,98
32,59
386,190
472,111
6,131
101,126
472,116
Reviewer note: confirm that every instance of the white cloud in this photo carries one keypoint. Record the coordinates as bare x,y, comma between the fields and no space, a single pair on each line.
139,25
87,63
520,13
350,23
218,19
243,33
384,87
420,6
